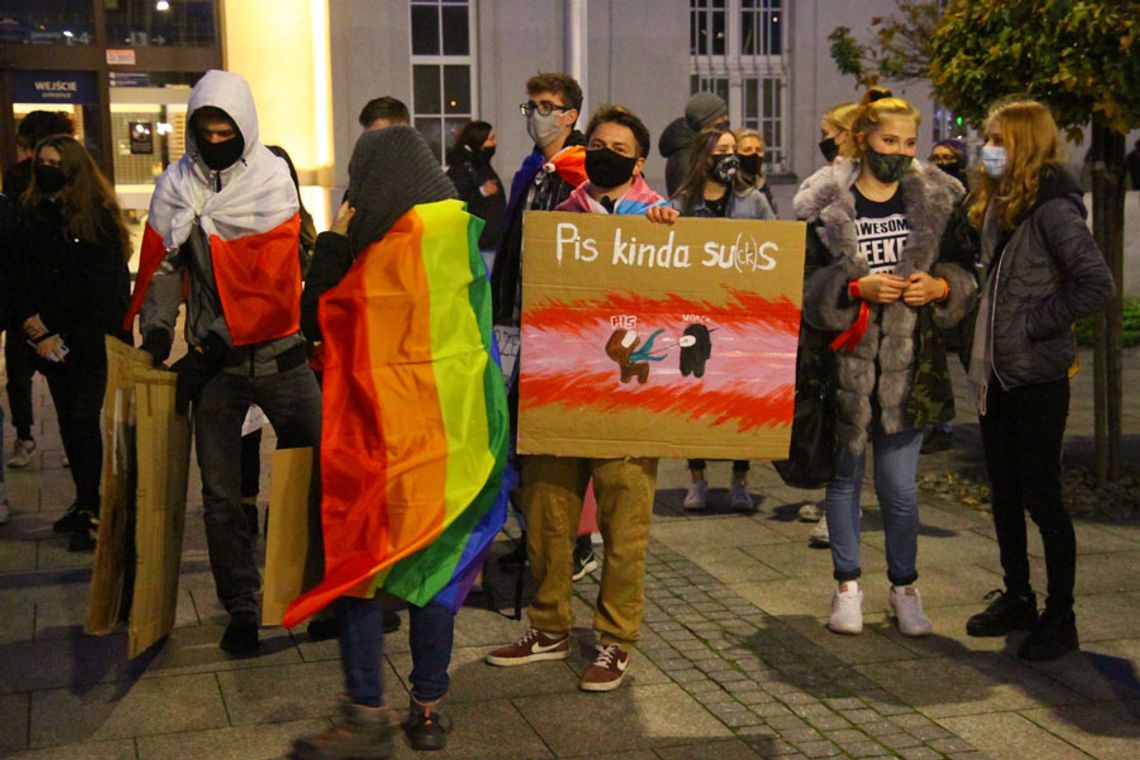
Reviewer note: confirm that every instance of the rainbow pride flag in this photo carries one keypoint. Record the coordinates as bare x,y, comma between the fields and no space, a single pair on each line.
415,425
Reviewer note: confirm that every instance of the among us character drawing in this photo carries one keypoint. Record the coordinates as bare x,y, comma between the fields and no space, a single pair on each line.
696,348
625,348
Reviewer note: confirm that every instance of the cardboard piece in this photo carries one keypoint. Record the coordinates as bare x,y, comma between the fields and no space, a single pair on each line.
293,562
641,339
146,463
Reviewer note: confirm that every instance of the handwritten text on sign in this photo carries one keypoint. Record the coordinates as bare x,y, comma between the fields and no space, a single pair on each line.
643,339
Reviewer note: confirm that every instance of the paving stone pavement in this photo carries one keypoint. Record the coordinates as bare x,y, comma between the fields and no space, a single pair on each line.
735,660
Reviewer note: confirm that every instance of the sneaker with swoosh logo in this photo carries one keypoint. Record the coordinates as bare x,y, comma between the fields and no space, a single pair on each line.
608,670
534,646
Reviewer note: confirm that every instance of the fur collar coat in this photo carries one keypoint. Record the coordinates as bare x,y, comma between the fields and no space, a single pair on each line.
895,378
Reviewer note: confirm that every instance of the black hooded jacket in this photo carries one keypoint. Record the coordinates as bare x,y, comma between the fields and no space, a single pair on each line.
675,143
469,172
1044,275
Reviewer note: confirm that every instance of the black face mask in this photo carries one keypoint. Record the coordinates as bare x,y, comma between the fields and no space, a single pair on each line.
488,153
953,168
607,168
749,163
49,179
829,149
223,155
724,168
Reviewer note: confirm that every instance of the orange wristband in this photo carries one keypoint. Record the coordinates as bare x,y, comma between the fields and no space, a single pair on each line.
945,284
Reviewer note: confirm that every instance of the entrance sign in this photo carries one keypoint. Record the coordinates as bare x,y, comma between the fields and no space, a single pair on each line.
642,339
55,87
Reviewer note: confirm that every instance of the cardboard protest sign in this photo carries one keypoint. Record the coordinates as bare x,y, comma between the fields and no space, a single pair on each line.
643,339
294,557
146,462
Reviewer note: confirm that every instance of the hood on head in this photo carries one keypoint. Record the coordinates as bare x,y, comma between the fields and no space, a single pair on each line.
677,136
391,170
230,93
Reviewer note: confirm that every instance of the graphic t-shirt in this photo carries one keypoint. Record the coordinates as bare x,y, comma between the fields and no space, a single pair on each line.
882,231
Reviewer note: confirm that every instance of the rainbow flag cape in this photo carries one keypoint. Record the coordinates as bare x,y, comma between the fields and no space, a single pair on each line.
415,427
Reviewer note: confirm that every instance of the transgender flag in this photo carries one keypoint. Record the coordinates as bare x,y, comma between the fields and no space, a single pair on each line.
415,426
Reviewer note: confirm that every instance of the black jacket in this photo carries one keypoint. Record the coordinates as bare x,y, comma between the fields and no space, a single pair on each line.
79,289
507,272
1047,276
469,173
675,143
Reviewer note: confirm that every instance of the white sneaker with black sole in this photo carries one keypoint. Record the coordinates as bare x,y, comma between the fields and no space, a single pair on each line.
847,609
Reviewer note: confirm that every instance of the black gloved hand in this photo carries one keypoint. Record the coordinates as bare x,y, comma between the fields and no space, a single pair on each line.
195,369
157,343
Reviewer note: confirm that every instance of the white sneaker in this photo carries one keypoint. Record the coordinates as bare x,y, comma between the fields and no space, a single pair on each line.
22,453
698,495
740,499
819,534
907,606
810,513
847,609
5,512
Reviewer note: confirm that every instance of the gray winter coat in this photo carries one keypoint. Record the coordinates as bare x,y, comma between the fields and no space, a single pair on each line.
897,357
1049,275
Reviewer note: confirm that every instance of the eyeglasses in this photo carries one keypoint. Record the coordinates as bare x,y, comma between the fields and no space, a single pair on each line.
544,108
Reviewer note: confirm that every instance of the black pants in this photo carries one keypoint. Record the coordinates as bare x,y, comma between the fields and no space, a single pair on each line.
20,361
739,466
251,465
77,391
1022,432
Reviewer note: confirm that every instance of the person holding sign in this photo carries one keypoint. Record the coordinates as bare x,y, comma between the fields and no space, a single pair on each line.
877,276
713,187
553,487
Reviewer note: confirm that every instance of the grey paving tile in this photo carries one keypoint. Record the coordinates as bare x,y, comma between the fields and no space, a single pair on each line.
473,680
17,620
242,743
870,646
124,709
116,749
983,683
61,620
733,750
492,729
77,662
657,715
291,692
14,713
1101,671
1104,730
195,649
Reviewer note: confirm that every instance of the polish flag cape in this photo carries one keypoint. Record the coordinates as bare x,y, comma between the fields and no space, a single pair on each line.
252,222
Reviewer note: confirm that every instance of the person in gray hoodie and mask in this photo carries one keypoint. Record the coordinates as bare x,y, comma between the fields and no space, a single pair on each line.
704,109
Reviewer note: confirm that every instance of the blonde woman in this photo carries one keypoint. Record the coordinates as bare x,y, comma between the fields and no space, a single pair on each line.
750,152
1042,273
876,276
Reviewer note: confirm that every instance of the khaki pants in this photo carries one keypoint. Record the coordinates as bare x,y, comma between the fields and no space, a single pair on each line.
553,488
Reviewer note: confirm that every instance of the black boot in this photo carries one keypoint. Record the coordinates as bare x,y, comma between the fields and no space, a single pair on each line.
1006,613
427,726
83,536
241,637
71,520
1055,635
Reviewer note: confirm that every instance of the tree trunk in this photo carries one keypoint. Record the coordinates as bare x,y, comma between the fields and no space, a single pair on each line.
1108,229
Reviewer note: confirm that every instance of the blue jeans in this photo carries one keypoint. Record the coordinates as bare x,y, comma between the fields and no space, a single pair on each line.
896,467
431,630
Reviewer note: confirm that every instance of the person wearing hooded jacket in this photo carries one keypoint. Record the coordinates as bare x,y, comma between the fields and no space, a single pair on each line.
225,216
704,109
877,274
1042,272
372,206
477,182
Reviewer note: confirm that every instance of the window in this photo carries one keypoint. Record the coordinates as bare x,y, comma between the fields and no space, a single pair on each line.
443,80
736,50
175,23
47,22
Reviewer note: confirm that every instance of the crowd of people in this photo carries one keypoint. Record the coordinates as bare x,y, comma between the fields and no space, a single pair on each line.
905,260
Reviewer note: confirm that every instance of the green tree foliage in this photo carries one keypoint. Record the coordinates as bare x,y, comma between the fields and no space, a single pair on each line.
900,52
1079,56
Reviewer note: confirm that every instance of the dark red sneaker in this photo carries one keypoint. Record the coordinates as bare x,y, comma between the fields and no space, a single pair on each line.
534,646
608,670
